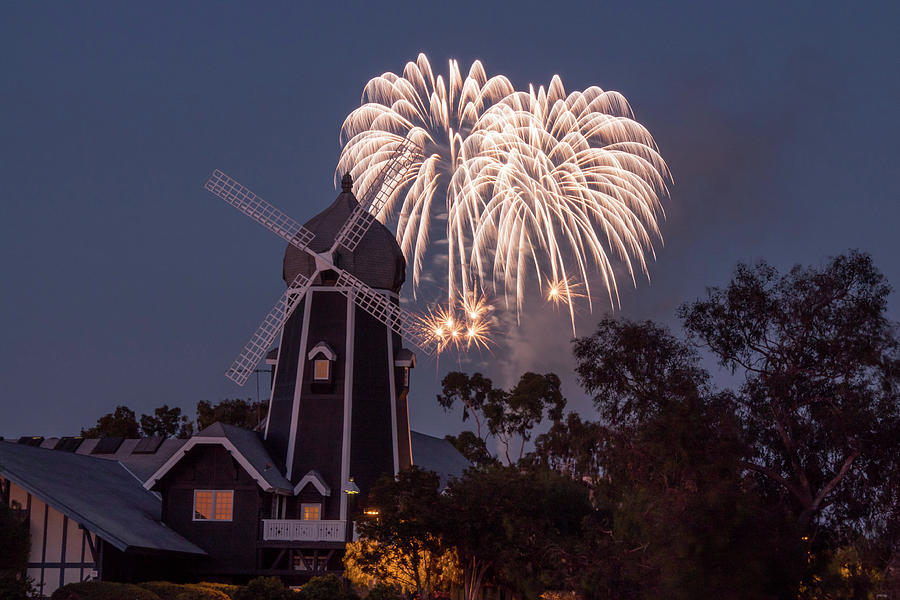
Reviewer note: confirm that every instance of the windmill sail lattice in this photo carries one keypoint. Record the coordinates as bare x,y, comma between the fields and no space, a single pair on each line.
259,344
400,320
381,189
351,232
259,210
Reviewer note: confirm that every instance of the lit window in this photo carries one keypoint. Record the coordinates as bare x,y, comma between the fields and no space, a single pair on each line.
322,367
203,505
213,505
311,512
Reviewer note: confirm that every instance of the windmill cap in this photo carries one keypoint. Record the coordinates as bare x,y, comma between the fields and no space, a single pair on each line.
377,260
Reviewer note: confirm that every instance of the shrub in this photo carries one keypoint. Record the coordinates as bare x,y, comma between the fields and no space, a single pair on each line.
264,588
16,540
226,588
205,591
189,591
16,588
382,591
102,590
163,589
326,587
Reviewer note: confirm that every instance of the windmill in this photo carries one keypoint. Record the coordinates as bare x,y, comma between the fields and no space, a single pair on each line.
352,421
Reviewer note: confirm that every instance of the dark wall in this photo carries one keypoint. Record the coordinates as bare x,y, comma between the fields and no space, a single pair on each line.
135,566
321,416
371,450
404,451
278,430
231,545
321,412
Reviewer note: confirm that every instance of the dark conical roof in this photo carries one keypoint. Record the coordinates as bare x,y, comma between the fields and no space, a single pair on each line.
377,260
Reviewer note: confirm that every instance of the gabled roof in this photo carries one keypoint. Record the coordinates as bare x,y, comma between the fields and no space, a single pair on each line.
315,478
99,494
438,455
324,349
245,446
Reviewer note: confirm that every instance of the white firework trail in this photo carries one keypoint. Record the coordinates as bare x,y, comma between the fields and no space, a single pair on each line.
531,182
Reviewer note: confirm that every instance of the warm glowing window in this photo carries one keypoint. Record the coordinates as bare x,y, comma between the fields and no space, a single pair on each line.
311,512
321,371
213,505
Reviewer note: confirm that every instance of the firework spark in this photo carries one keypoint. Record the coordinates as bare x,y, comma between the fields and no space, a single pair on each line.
539,181
463,325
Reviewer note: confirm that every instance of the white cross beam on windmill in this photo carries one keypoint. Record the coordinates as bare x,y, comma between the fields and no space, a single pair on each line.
379,306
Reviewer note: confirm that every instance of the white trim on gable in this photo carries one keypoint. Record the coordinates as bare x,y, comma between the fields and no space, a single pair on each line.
225,443
316,480
324,348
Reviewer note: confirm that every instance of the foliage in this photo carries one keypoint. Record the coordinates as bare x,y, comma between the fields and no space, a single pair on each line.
382,591
102,590
166,422
189,591
473,392
326,587
473,448
121,423
226,588
571,446
508,525
368,563
402,545
516,412
16,541
503,414
14,586
821,369
671,456
240,413
840,574
264,588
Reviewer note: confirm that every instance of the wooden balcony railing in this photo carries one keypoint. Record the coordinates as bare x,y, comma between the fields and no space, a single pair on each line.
293,530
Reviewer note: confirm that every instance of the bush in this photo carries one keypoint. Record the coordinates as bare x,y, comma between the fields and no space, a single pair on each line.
189,591
102,590
16,588
264,588
382,591
226,588
327,587
16,540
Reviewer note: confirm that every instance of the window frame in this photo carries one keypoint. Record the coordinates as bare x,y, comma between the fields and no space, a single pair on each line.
212,507
327,363
304,505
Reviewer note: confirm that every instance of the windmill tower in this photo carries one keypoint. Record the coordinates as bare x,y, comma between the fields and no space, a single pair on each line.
338,414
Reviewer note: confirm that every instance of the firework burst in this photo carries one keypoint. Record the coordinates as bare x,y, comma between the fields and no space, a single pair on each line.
533,182
463,325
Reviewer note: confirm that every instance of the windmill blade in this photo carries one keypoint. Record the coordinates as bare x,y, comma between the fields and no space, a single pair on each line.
246,362
400,320
378,193
259,210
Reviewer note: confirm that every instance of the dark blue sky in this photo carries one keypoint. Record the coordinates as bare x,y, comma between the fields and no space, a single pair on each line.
126,283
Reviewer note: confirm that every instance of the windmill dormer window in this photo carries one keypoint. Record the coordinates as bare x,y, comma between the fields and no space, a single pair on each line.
322,358
405,360
321,369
